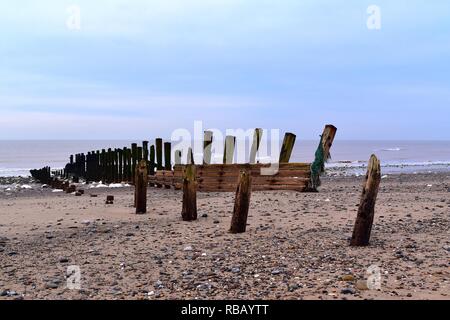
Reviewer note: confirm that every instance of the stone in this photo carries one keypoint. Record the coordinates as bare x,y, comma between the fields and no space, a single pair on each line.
362,285
348,277
63,260
204,215
235,269
348,291
293,287
276,271
188,248
51,285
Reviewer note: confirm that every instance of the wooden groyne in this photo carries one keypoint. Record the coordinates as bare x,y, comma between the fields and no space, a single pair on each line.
119,165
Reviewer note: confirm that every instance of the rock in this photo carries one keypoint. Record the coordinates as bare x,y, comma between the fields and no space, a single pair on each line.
51,285
129,234
204,215
348,291
293,287
348,277
158,285
188,248
216,221
446,248
362,285
63,260
4,293
276,271
235,269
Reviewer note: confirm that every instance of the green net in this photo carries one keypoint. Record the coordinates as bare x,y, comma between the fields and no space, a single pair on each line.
318,166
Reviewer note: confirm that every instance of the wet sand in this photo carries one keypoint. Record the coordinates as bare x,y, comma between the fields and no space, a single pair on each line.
295,247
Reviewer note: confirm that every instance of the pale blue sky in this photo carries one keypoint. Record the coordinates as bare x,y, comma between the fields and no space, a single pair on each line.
141,68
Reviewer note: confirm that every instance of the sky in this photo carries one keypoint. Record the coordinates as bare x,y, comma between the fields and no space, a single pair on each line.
137,69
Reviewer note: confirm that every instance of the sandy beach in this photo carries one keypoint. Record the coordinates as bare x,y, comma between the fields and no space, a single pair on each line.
295,247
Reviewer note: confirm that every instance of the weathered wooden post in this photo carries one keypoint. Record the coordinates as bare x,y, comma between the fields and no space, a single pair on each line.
145,150
103,165
207,146
327,139
141,182
97,166
287,147
321,156
129,166
242,202
133,160
189,210
366,211
158,143
139,154
167,156
255,145
110,166
120,151
190,156
152,160
115,154
177,156
228,151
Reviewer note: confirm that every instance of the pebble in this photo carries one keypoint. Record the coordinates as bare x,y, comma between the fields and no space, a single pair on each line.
362,285
348,291
276,271
188,248
235,269
348,277
51,285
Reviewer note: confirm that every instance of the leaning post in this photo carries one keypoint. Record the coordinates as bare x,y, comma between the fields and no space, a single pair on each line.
366,211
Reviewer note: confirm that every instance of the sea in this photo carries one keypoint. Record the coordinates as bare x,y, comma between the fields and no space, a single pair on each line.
347,157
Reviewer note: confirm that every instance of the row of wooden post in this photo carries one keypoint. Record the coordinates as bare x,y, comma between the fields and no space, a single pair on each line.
117,165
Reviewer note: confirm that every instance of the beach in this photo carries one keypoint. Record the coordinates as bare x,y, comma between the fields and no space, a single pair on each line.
296,245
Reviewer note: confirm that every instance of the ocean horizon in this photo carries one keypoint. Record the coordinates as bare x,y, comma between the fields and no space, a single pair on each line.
17,157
